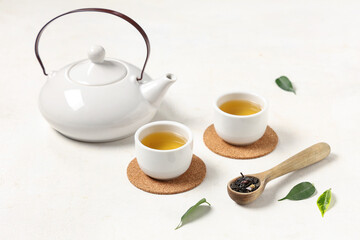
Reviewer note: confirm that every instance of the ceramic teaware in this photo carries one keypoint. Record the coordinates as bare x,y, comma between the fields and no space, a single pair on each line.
100,99
164,164
237,129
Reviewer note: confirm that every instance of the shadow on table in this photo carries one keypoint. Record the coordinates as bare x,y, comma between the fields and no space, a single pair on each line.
333,201
116,143
269,195
285,136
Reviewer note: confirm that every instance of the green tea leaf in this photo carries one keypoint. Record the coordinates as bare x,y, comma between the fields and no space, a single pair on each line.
323,201
300,191
285,84
190,210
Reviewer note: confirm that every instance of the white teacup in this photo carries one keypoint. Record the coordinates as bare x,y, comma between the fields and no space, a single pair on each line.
238,129
164,164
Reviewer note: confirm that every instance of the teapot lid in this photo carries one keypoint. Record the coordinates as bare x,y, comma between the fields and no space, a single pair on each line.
96,71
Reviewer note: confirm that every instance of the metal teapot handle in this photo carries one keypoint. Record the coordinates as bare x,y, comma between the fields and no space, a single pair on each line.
102,10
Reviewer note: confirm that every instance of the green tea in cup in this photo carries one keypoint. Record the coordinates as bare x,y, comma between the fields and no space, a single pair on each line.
163,140
240,107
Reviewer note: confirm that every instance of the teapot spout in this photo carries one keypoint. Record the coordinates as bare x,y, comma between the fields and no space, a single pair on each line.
154,91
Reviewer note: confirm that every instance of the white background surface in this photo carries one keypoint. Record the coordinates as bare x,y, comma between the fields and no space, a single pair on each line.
55,188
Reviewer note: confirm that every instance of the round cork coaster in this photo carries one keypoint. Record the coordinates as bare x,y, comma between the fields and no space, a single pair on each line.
265,145
187,181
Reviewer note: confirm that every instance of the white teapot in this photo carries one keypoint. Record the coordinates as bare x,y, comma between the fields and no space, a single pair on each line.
100,99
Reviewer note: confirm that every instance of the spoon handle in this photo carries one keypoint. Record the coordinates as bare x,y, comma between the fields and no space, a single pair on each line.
307,157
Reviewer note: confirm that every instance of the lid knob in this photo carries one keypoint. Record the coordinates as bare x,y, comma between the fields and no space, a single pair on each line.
96,54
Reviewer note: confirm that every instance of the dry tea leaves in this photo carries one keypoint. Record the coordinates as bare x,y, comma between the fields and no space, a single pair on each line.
285,84
300,191
245,184
190,210
323,201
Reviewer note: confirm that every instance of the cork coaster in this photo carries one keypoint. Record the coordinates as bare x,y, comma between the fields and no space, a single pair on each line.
187,181
265,145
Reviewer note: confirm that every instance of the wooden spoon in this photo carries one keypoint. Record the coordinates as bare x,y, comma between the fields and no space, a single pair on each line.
307,157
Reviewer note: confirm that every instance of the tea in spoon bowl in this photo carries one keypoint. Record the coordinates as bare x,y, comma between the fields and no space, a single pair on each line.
305,158
245,198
